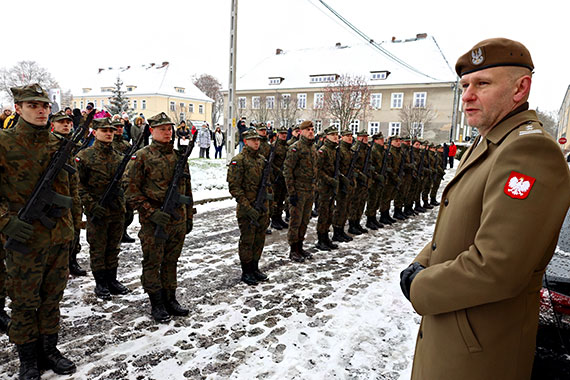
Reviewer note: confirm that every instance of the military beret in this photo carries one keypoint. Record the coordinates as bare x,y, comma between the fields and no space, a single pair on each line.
260,126
296,127
282,130
30,93
117,123
251,134
397,137
346,132
332,130
377,136
159,119
59,116
361,133
492,53
103,122
306,124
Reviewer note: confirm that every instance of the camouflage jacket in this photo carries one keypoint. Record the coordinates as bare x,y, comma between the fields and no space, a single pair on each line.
376,161
396,159
292,140
361,157
264,147
244,178
120,145
279,158
326,159
25,152
408,166
300,167
97,166
149,175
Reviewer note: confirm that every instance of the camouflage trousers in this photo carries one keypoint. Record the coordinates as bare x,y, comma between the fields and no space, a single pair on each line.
414,192
279,196
341,209
160,257
435,187
326,208
403,192
374,199
300,216
104,237
359,197
3,274
426,188
387,196
36,284
252,238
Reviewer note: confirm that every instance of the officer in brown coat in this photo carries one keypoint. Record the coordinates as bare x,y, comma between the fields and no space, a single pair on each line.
477,282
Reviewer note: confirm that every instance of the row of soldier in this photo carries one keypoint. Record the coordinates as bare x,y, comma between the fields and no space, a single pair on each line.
342,177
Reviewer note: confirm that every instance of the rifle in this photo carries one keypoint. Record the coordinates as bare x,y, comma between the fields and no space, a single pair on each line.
173,198
112,190
43,198
421,165
366,166
336,170
385,159
414,175
350,172
259,203
401,168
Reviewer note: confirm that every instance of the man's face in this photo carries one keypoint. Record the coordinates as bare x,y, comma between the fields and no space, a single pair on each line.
68,112
119,130
333,137
262,132
104,134
62,126
309,133
161,133
417,145
379,141
362,139
253,143
282,135
35,113
296,132
347,139
408,142
397,143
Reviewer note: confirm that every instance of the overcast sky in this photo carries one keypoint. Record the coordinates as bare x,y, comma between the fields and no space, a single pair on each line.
74,38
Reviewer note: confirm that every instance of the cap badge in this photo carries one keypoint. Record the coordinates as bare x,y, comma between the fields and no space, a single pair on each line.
477,56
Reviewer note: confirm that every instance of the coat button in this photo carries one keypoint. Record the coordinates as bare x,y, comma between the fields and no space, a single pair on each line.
446,202
421,334
433,247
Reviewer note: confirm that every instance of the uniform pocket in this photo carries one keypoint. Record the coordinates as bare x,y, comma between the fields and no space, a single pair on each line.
467,333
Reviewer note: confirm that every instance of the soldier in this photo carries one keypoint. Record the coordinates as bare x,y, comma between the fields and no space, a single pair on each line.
296,132
405,175
38,278
346,188
264,150
149,175
279,187
376,182
415,187
439,172
244,178
361,190
97,166
328,186
300,171
393,180
428,172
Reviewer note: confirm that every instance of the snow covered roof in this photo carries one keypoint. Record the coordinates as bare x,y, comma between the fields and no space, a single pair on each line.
296,67
150,79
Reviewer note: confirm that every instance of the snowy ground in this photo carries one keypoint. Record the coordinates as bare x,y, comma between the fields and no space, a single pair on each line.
339,316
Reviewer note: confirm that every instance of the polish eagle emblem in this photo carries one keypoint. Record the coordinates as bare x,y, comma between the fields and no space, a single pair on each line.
518,185
477,56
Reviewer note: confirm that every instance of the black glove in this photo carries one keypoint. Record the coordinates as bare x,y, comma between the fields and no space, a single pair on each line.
189,225
160,218
293,199
18,230
98,211
252,214
407,276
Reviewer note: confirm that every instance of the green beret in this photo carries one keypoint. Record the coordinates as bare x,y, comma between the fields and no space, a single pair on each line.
103,122
346,132
378,136
332,130
30,93
160,119
251,134
306,124
492,53
261,126
397,137
296,127
59,116
282,130
117,123
361,133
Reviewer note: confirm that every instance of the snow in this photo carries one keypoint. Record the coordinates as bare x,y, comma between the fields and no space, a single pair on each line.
340,315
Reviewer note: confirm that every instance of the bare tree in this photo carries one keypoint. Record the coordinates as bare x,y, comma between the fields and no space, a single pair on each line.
66,98
549,121
346,99
414,119
24,73
210,86
260,112
285,110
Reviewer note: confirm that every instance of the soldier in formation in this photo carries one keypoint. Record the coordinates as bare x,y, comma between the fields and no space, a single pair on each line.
360,156
279,187
346,188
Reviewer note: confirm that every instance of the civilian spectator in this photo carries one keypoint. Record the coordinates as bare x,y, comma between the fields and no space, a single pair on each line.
242,127
219,141
183,134
452,153
204,140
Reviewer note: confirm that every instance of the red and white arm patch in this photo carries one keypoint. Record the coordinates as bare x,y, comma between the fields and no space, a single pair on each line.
518,185
133,157
77,159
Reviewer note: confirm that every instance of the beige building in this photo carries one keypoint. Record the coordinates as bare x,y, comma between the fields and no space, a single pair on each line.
151,89
564,121
402,76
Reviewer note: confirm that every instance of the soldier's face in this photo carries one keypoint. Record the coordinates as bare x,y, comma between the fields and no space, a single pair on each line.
379,141
104,134
35,113
417,145
347,139
333,137
262,132
253,143
397,143
119,130
161,133
62,126
296,132
308,133
363,139
282,136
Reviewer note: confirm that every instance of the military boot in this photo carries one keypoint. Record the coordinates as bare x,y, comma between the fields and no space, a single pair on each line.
337,235
370,223
304,253
4,318
427,205
275,224
282,222
115,287
419,208
171,303
352,229
408,211
51,358
126,238
398,214
74,267
259,275
434,202
345,236
28,355
101,287
385,218
375,221
360,228
158,311
247,275
321,243
295,255
328,241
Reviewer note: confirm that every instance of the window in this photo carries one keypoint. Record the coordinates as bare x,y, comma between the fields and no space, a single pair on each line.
200,108
354,125
356,99
241,103
420,99
327,78
275,80
285,100
255,102
270,102
182,116
102,103
172,106
397,99
319,100
318,126
299,121
134,104
302,101
143,105
376,100
417,129
335,123
182,105
74,104
269,123
179,89
373,127
395,128
95,103
379,75
81,105
191,107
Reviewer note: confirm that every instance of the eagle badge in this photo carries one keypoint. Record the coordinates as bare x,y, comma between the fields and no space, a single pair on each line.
518,185
477,56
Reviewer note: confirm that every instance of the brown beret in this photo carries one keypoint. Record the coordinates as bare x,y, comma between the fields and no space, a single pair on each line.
306,124
492,53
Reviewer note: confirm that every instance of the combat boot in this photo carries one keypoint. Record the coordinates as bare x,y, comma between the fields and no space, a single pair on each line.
434,202
158,310
282,222
51,358
275,224
295,255
115,287
328,241
337,235
360,228
268,231
74,267
385,218
101,287
247,275
378,224
4,318
171,303
314,213
352,229
126,238
370,223
28,355
398,214
427,205
304,253
321,243
408,211
259,275
419,208
345,236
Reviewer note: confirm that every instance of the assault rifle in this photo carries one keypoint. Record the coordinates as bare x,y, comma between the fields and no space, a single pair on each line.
41,204
366,166
385,159
421,165
173,198
259,203
112,190
336,169
401,168
412,161
350,172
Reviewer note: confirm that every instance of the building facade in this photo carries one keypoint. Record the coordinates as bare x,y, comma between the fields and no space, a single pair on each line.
564,121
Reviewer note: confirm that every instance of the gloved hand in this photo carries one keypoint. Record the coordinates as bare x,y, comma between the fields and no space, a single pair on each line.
293,200
98,211
18,230
189,225
407,276
252,213
160,218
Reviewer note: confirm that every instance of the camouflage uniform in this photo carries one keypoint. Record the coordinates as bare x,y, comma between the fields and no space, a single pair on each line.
360,194
422,178
392,180
439,172
403,189
428,178
376,184
244,178
279,187
120,145
346,189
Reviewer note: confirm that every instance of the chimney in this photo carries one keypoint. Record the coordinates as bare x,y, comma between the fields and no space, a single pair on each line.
278,51
393,39
338,45
421,35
